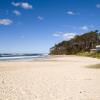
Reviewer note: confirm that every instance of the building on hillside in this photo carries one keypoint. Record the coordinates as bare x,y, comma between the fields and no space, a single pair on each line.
97,49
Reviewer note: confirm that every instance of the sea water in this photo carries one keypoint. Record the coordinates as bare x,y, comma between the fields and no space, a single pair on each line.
4,57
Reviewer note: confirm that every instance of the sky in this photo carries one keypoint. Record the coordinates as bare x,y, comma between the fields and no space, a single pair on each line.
34,26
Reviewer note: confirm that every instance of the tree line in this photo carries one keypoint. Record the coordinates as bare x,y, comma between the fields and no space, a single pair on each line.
80,43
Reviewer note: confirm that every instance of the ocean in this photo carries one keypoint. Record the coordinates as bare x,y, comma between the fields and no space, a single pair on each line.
15,56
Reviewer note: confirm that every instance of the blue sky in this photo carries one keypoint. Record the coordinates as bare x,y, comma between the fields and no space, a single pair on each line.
34,26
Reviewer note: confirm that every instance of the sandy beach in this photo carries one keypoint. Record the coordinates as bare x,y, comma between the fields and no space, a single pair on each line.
55,78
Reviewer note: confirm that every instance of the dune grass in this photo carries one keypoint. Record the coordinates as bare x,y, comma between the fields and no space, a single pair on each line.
97,66
88,54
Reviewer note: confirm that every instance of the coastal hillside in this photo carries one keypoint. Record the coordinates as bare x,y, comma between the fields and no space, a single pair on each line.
80,43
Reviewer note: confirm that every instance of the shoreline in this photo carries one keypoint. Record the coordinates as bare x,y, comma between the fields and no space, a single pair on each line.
44,58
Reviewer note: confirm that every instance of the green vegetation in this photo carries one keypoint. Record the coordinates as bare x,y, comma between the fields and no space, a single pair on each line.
94,66
80,45
88,54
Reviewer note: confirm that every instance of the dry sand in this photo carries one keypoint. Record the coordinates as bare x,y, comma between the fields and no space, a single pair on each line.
55,78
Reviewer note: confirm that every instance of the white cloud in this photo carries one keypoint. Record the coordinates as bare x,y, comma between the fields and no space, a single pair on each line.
16,12
65,36
15,4
40,18
70,13
5,22
24,5
68,36
57,34
98,5
85,28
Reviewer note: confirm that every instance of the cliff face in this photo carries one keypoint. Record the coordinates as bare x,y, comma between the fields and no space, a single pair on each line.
80,43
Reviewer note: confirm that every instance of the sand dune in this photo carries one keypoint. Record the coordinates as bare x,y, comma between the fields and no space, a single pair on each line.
55,78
